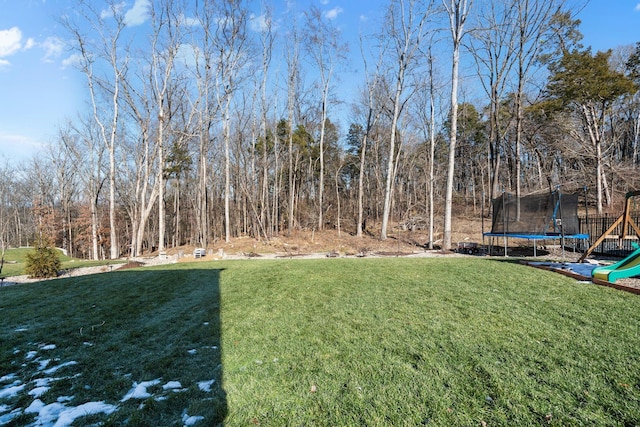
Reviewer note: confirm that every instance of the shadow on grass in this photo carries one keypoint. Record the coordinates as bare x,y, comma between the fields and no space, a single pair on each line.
153,328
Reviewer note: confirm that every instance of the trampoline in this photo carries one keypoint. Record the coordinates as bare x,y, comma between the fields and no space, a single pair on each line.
547,216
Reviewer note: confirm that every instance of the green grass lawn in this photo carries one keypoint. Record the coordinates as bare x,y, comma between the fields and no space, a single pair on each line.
334,342
15,262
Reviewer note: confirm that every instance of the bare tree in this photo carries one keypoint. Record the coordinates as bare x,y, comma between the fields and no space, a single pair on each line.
458,12
293,64
166,21
405,25
531,25
107,48
326,51
267,39
372,90
232,43
89,155
493,47
425,110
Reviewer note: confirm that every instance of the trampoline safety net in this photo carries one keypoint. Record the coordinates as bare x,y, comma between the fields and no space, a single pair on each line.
540,214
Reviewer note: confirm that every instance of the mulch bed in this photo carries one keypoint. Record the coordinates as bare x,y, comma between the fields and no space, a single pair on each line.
131,264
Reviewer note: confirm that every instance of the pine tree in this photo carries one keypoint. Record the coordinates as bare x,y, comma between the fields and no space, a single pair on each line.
44,261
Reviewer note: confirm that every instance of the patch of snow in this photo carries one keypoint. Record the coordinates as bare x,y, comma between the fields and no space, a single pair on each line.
35,407
48,347
172,385
7,378
30,355
6,418
47,414
192,351
4,408
43,382
44,363
58,415
139,391
64,399
68,416
206,385
57,367
21,330
191,420
12,390
38,391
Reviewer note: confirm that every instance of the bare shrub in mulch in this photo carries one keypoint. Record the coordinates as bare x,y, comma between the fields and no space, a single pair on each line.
131,264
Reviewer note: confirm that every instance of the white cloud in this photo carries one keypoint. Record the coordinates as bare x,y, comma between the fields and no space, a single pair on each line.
4,63
324,2
29,44
637,8
10,41
108,13
259,23
138,14
187,55
53,47
333,13
18,147
189,22
72,60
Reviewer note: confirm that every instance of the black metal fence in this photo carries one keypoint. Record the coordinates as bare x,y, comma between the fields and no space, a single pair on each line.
596,225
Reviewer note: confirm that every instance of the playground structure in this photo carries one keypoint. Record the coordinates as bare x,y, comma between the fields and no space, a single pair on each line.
623,228
546,216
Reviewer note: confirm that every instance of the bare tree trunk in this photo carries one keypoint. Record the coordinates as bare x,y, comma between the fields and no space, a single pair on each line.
458,11
323,46
109,44
432,148
292,83
227,173
407,41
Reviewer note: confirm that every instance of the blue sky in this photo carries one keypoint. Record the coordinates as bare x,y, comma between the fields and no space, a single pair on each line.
39,90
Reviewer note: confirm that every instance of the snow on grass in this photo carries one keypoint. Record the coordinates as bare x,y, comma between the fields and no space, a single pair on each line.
41,387
58,367
12,390
6,418
139,390
68,416
7,378
206,385
58,415
191,420
38,391
44,364
172,385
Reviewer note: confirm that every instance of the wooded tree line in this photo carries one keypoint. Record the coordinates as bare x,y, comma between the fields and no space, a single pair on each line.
222,118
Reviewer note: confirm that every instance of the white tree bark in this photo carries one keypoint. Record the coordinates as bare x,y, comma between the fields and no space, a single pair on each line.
458,11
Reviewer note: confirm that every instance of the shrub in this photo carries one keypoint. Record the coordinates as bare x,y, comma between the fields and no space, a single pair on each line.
43,262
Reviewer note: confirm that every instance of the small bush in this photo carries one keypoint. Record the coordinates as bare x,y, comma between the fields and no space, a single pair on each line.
43,262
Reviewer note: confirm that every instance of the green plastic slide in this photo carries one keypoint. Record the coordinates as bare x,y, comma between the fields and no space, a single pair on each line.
628,267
